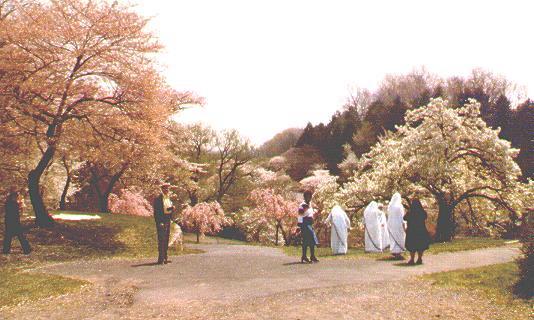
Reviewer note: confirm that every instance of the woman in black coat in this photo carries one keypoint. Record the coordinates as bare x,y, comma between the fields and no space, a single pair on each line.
417,237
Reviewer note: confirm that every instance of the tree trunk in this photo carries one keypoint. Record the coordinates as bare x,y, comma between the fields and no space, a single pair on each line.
103,201
276,240
198,236
42,218
63,201
446,226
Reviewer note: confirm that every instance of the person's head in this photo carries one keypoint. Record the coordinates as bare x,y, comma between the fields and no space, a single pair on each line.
165,188
308,196
416,205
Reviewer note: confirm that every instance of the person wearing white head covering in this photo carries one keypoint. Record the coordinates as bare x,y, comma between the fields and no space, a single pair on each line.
373,236
396,231
340,223
382,225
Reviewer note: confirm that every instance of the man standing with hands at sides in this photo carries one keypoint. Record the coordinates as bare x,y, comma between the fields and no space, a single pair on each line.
13,228
163,208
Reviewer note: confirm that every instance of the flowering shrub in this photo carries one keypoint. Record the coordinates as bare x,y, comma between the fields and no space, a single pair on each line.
272,218
204,218
130,202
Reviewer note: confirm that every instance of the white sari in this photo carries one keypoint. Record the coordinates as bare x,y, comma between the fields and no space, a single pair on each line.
340,230
373,236
396,231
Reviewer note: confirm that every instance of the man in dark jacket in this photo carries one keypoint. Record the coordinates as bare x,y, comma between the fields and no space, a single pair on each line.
162,214
13,228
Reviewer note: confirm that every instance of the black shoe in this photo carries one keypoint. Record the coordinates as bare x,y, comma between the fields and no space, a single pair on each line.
304,259
420,261
410,263
160,262
314,259
167,261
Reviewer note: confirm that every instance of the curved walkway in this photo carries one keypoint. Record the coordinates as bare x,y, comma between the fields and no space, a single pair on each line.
230,272
250,282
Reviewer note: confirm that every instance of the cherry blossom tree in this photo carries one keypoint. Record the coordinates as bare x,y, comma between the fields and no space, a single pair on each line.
204,218
272,217
130,202
449,155
77,61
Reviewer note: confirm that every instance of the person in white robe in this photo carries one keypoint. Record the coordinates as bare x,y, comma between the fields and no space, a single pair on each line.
177,236
373,236
382,224
396,225
339,234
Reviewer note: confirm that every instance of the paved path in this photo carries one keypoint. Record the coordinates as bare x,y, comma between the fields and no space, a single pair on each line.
229,273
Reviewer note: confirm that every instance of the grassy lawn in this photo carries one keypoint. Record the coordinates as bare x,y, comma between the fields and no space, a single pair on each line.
491,282
460,244
112,236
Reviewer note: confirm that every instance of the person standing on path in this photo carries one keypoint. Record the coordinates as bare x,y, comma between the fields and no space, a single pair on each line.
397,234
13,228
340,223
417,237
163,208
305,222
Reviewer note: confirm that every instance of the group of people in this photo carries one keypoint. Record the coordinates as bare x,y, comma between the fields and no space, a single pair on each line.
399,231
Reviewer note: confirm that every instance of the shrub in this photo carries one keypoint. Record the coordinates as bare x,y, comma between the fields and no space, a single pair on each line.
130,202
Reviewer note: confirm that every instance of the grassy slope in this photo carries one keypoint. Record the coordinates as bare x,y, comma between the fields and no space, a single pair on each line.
460,244
110,237
491,282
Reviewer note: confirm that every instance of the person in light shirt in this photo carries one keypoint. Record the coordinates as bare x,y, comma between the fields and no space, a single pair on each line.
305,223
163,209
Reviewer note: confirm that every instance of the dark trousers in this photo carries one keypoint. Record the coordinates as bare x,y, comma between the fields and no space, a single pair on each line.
308,240
305,246
8,237
164,229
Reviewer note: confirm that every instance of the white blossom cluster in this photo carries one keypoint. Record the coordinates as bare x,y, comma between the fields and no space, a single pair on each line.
445,154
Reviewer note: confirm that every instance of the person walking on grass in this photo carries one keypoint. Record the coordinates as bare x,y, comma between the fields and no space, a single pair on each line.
163,208
13,228
417,237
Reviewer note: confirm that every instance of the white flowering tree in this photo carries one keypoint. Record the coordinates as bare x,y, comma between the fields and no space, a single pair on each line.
448,154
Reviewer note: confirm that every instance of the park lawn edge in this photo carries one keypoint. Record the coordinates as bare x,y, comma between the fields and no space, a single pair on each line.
493,282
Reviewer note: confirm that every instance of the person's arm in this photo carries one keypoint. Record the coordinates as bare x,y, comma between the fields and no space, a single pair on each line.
329,218
158,208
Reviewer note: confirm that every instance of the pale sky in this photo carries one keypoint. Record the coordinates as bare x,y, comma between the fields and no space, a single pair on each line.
264,66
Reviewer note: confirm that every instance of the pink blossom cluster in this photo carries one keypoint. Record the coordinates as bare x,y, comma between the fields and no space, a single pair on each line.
205,217
272,218
130,202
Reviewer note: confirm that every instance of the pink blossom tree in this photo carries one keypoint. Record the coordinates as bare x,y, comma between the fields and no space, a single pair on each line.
271,216
205,217
130,202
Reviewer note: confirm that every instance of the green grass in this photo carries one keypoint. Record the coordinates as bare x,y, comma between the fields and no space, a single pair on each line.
18,287
460,244
112,236
491,282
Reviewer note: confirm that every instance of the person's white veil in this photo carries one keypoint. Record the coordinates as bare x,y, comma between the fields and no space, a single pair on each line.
372,232
396,223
